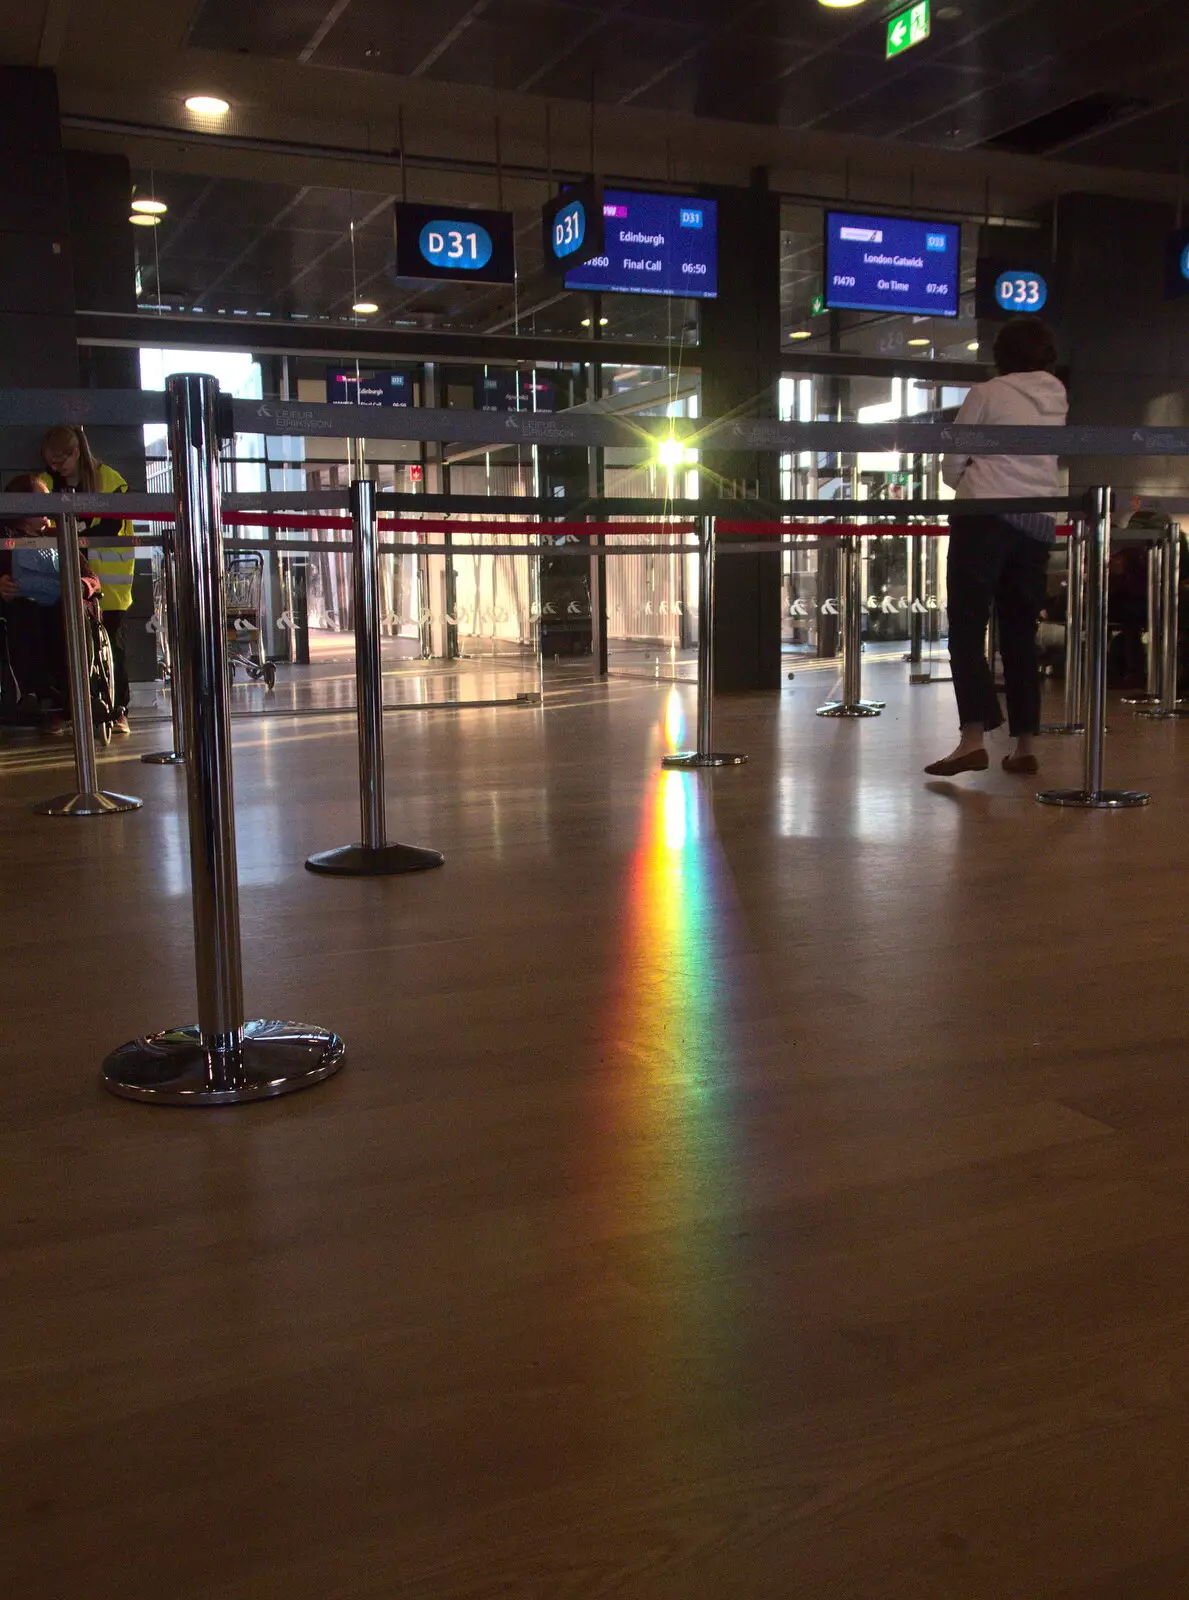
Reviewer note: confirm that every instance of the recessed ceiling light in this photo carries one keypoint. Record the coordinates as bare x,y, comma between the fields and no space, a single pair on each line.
973,345
917,344
151,208
207,105
365,308
839,5
801,333
586,323
139,220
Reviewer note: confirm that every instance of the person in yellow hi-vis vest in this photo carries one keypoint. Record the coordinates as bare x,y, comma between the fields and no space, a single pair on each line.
67,455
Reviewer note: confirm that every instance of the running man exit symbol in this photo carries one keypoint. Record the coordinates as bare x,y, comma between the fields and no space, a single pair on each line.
908,27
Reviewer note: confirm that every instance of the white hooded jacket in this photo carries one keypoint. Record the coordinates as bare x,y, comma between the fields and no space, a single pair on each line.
1019,399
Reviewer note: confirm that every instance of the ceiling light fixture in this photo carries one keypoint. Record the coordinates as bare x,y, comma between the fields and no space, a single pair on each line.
139,220
207,105
151,208
801,333
918,344
839,5
586,322
365,308
973,345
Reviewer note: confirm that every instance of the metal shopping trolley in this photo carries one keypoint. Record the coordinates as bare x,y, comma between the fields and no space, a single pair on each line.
244,577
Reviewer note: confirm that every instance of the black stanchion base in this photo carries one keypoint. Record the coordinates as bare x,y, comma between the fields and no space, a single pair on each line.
95,803
360,861
1087,800
857,708
1159,714
1141,699
690,761
1055,729
164,758
177,1068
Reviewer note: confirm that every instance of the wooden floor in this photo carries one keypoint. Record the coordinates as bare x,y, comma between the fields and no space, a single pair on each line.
773,1184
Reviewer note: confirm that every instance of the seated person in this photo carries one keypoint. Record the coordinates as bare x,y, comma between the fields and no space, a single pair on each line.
31,608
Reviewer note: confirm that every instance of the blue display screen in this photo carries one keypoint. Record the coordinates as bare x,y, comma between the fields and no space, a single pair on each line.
655,244
345,387
892,264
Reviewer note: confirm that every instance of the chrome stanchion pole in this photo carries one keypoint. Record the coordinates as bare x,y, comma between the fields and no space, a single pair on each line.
88,799
1153,694
918,672
1170,706
1092,795
852,703
223,1060
177,754
705,755
374,856
1075,644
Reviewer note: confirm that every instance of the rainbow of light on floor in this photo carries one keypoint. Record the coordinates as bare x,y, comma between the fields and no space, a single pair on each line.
672,1022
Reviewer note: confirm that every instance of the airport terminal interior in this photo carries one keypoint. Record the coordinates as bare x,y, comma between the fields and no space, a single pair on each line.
526,589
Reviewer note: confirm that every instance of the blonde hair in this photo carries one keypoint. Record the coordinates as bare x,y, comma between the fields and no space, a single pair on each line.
66,438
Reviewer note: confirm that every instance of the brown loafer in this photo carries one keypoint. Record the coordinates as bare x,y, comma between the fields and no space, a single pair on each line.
976,761
1023,766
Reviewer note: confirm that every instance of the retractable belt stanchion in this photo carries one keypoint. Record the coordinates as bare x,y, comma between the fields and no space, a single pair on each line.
1153,694
88,800
176,755
1169,705
1075,644
224,1060
1092,795
918,673
852,703
705,755
374,857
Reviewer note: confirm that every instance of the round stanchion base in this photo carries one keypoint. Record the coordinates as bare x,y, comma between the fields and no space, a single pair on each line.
1159,714
1054,730
1086,800
177,1067
1141,699
164,758
691,760
361,861
95,803
857,708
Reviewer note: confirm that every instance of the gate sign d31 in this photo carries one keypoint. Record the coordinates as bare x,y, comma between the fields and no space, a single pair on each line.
573,227
908,27
454,242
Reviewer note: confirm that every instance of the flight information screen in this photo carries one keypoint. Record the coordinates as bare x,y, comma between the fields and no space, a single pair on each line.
892,264
655,244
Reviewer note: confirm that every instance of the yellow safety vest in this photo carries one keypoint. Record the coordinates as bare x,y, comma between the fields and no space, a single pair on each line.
113,565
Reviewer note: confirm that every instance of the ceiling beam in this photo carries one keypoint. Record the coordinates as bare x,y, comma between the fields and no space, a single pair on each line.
314,43
455,33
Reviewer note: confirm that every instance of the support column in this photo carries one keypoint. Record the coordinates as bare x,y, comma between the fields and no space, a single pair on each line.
37,339
740,354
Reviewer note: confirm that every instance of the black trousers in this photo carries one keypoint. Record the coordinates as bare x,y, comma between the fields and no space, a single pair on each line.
992,563
113,622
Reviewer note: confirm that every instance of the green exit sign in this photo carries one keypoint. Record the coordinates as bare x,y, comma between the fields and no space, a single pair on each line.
907,28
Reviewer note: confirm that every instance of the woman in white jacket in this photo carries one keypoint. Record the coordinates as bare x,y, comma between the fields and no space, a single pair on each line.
1002,560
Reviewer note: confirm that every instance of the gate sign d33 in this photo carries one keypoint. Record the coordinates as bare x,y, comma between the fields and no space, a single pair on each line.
908,27
1020,291
454,242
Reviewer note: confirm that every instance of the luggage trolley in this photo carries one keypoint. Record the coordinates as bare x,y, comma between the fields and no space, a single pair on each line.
244,576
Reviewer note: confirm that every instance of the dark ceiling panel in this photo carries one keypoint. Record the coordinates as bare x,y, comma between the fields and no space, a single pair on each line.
990,69
267,28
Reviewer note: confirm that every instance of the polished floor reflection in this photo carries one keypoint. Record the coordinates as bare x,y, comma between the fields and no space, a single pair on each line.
762,1183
